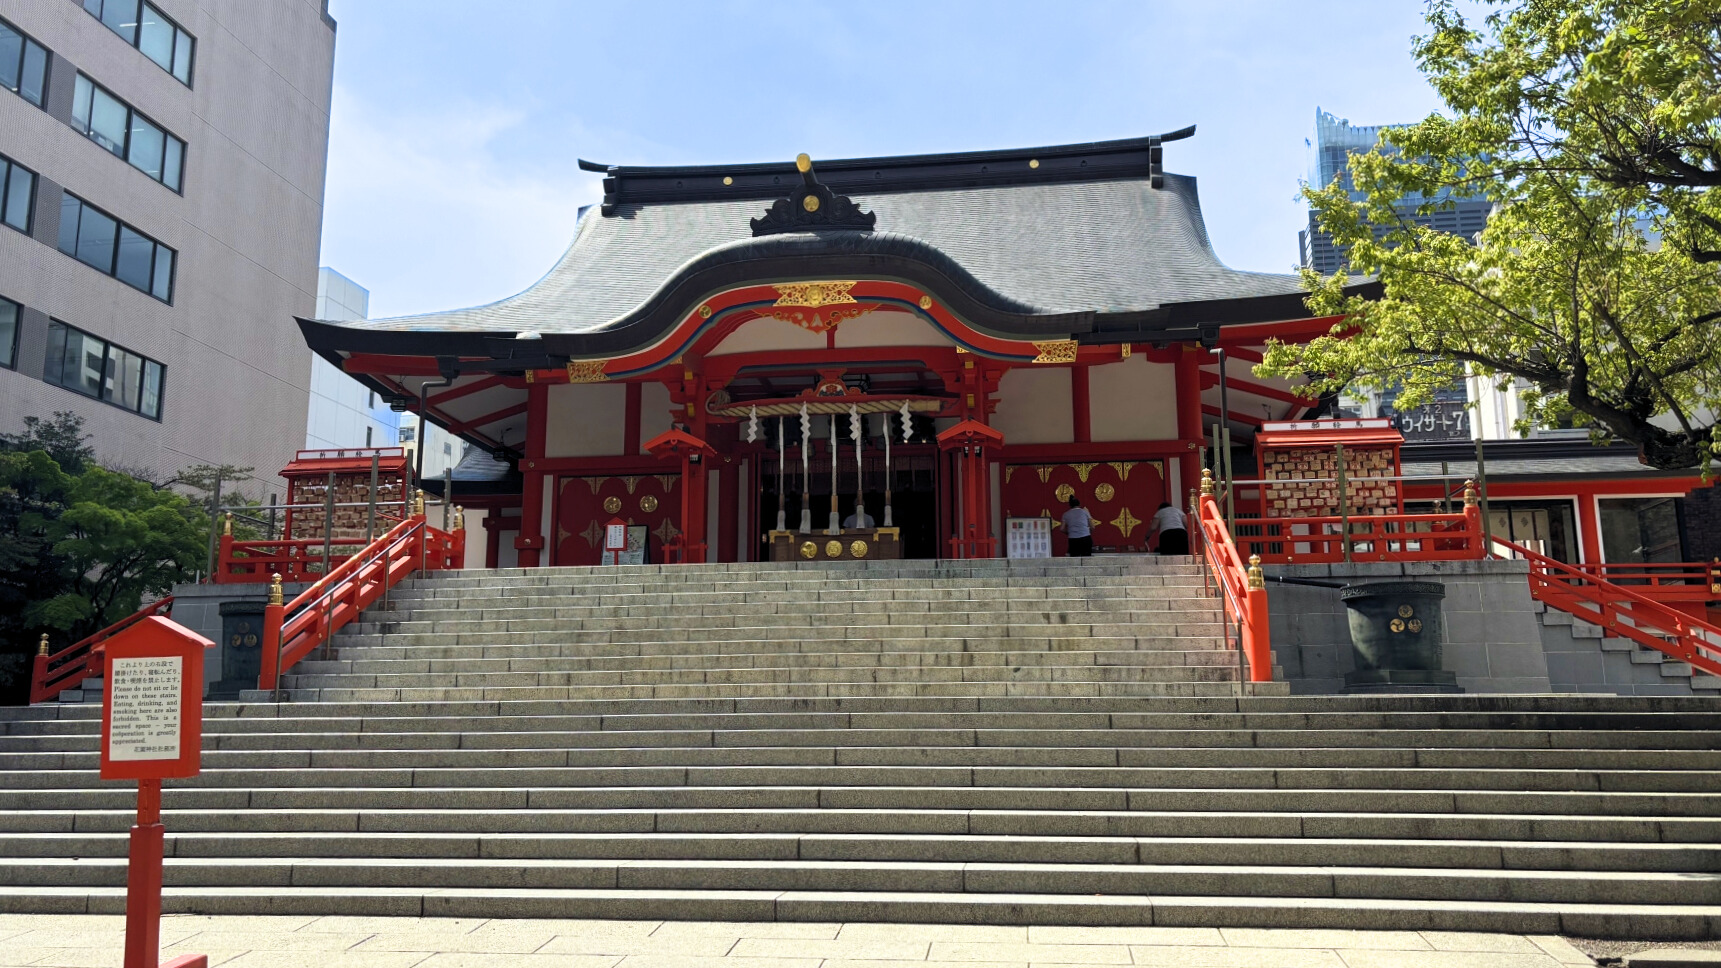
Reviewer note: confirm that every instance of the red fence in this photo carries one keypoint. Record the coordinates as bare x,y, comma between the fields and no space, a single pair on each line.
301,559
1370,537
1242,587
69,666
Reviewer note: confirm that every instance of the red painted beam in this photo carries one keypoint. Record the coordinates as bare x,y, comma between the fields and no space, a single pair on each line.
463,426
1242,418
1288,331
1209,380
461,391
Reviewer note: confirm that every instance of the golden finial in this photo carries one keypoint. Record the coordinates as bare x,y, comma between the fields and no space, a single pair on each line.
227,525
418,502
1469,494
459,517
1206,480
43,648
803,163
1256,578
275,597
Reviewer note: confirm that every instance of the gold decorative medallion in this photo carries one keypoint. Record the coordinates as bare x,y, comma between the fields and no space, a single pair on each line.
612,504
925,302
1397,625
858,549
1083,470
1104,493
586,371
1033,162
818,322
1405,611
833,549
812,295
1122,468
1045,472
727,180
1415,625
1064,493
704,312
810,203
809,550
667,531
1055,351
648,503
1126,522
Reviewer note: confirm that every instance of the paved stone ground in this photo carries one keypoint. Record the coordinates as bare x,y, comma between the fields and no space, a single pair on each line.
94,941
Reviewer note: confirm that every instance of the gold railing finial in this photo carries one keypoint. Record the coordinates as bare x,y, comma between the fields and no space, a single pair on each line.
1257,579
459,517
1206,480
275,597
227,525
418,502
43,648
1469,494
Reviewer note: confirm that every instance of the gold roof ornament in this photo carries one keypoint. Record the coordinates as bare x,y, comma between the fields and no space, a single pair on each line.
227,525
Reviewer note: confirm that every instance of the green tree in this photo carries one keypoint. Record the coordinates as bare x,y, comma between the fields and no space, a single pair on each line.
1595,127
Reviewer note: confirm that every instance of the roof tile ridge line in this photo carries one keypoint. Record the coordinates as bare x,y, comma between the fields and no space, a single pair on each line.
579,232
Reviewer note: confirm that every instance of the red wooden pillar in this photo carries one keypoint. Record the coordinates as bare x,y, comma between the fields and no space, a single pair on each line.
695,456
530,542
1589,525
1189,419
969,441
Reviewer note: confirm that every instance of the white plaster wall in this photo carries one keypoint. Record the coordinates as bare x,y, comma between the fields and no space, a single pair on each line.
586,420
768,334
1133,399
1034,406
476,536
506,555
654,411
889,329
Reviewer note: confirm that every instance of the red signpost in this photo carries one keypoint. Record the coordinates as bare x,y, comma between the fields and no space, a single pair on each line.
152,729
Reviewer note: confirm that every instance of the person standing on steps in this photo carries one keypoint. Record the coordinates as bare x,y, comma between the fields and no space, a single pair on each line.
1079,527
1172,527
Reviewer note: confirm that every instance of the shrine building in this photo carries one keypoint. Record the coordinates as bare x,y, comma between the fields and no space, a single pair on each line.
731,359
958,338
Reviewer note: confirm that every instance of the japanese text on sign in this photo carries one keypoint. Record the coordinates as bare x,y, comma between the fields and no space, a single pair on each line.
144,717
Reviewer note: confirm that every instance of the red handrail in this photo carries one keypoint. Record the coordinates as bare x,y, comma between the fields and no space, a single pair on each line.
1242,587
1621,610
54,672
1367,537
291,630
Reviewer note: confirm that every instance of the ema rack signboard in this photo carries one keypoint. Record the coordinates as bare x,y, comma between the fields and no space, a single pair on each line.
152,730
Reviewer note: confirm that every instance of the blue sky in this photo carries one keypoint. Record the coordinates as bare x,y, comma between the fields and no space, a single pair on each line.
456,125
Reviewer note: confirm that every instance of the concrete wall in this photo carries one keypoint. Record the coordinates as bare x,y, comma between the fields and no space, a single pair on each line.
1493,639
198,608
246,229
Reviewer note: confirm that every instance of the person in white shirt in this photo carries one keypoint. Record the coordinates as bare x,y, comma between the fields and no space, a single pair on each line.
860,520
1079,528
1171,526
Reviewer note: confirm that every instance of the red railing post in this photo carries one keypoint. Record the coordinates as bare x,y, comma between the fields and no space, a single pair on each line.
1257,639
272,616
1473,522
39,671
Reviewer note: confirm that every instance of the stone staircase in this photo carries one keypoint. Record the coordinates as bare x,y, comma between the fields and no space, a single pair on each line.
1045,742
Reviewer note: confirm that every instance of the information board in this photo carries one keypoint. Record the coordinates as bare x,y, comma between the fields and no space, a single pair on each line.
633,554
144,714
1028,538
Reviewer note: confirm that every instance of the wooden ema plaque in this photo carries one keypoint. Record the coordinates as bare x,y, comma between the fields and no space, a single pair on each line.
152,729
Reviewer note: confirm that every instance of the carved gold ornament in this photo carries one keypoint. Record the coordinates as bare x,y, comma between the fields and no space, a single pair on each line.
1126,522
586,371
1045,472
858,549
925,302
631,483
1415,625
1104,493
1083,470
816,321
593,533
833,549
1405,611
809,550
667,480
1008,471
595,483
812,295
648,503
1122,468
1397,625
1055,351
667,531
1064,493
612,504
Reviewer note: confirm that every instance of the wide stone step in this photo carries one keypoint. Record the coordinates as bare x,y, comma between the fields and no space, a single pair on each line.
1240,880
795,691
1206,672
532,647
358,662
540,619
1042,823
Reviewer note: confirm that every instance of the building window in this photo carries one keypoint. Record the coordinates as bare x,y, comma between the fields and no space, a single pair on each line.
23,64
9,312
408,434
17,194
1641,529
369,431
150,31
113,124
95,368
102,242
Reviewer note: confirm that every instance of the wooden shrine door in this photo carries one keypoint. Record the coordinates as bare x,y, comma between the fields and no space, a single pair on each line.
583,504
1121,495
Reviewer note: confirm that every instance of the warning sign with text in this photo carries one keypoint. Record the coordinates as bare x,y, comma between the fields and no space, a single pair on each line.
146,697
